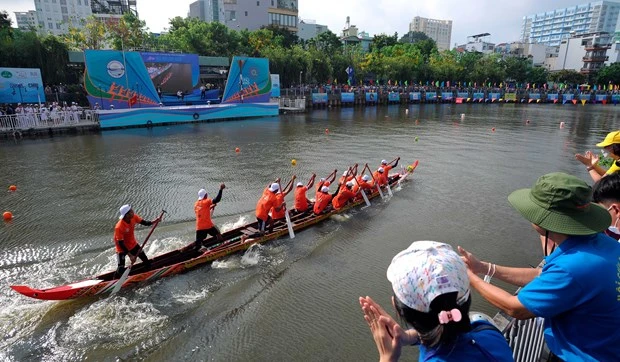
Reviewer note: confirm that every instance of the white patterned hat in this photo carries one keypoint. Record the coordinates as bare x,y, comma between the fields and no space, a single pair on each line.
426,270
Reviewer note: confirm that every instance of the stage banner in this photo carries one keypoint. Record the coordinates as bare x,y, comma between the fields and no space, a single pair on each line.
393,97
347,97
464,95
615,98
568,97
601,97
431,96
494,96
414,96
319,98
21,85
118,79
371,97
478,96
447,95
534,95
248,81
275,85
552,96
584,96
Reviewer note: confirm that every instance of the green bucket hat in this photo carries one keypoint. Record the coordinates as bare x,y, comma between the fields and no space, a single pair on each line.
561,203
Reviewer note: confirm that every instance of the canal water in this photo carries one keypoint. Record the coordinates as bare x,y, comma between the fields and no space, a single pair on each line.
288,300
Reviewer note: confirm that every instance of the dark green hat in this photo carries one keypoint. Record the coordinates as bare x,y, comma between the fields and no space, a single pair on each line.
561,203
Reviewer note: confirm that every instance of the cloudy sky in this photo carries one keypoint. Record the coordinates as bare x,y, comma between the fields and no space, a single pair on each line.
502,19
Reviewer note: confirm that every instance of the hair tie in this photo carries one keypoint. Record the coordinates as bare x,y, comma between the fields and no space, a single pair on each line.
453,315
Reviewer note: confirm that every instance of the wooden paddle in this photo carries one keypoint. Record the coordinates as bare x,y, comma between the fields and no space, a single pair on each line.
119,283
375,181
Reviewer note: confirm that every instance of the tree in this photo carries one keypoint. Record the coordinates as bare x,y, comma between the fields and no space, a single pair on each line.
426,47
567,76
327,42
91,35
413,36
6,30
129,33
517,68
444,66
609,74
382,40
537,75
285,37
192,35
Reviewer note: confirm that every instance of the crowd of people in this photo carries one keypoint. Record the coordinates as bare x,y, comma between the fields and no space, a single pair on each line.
30,115
576,290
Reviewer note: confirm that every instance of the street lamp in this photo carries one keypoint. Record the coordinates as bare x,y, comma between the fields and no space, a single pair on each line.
300,73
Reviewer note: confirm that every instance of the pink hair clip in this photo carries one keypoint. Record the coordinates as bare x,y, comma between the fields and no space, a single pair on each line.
453,315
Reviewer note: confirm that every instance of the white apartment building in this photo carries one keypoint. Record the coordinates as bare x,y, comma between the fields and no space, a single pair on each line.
56,16
248,14
552,27
438,30
26,20
309,29
587,53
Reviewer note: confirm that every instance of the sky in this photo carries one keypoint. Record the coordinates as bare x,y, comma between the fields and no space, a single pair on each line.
502,19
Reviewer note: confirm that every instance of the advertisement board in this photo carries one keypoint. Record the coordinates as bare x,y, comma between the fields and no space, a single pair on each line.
414,96
319,98
275,85
21,85
371,97
394,97
347,97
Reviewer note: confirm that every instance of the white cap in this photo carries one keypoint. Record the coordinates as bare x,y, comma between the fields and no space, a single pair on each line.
345,173
381,169
322,179
350,183
299,184
124,210
384,162
366,178
201,194
324,189
274,187
426,270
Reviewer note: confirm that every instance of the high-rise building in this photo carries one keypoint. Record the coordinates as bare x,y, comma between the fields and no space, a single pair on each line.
248,14
551,27
26,20
438,30
56,16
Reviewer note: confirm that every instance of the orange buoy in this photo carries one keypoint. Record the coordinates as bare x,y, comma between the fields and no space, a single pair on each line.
493,129
562,124
237,150
326,130
12,188
7,216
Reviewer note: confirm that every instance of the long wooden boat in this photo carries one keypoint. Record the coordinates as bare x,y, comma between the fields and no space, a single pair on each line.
184,259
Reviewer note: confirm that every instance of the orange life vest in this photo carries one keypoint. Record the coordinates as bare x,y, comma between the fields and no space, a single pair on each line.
301,201
279,201
125,232
202,208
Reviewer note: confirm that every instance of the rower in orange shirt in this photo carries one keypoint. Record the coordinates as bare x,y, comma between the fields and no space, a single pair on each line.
323,200
204,224
264,205
363,182
380,176
125,240
345,194
388,166
324,182
279,207
301,200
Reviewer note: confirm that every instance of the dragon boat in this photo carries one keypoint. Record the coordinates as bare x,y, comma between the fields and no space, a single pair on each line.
188,258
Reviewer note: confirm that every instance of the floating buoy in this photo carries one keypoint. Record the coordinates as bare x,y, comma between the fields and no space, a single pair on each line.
7,216
493,129
12,188
406,111
237,150
462,115
326,130
561,124
416,139
294,162
527,121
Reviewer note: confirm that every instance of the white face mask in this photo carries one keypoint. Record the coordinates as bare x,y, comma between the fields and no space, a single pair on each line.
605,154
614,228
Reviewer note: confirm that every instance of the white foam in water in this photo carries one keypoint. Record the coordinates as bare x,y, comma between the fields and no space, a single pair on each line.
161,246
252,255
340,217
228,263
233,225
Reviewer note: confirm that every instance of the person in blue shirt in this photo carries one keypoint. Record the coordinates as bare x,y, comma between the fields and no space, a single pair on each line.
432,296
576,291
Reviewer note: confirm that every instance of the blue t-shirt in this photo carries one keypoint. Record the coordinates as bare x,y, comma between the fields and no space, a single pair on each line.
577,295
476,346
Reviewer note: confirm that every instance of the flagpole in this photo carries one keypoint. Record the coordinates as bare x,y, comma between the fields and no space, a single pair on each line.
125,65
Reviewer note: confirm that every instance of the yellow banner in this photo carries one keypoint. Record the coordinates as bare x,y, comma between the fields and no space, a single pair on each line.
510,96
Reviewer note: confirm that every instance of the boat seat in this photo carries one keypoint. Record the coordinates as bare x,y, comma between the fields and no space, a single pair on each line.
252,229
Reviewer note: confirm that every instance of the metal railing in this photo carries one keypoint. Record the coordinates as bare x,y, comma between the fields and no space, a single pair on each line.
525,337
24,121
297,103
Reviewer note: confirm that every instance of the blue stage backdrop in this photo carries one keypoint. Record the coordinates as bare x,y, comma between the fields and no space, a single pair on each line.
248,81
21,85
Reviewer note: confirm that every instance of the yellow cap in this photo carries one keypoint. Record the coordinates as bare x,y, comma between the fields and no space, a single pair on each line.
610,139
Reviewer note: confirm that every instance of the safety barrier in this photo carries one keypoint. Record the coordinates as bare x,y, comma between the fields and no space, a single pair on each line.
18,122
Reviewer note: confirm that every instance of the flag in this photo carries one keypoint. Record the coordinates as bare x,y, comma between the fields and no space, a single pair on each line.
528,86
351,75
441,84
389,82
406,83
133,100
335,81
448,84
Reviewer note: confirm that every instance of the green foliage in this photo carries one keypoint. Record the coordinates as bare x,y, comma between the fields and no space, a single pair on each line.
129,33
609,74
517,68
413,36
567,76
380,41
537,75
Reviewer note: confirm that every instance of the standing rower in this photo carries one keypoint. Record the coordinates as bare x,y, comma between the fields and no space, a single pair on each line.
264,205
125,239
204,225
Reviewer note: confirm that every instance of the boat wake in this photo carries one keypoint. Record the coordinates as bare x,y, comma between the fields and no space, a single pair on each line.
234,224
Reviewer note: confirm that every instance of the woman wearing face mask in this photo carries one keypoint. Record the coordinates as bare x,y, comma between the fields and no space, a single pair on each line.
611,147
607,193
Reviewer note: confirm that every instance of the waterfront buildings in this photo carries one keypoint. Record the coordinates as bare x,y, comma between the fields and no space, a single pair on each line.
56,16
309,29
438,30
247,14
351,36
536,53
476,43
552,27
587,53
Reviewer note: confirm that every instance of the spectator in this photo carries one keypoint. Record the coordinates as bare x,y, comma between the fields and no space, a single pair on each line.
607,193
575,291
431,294
610,145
